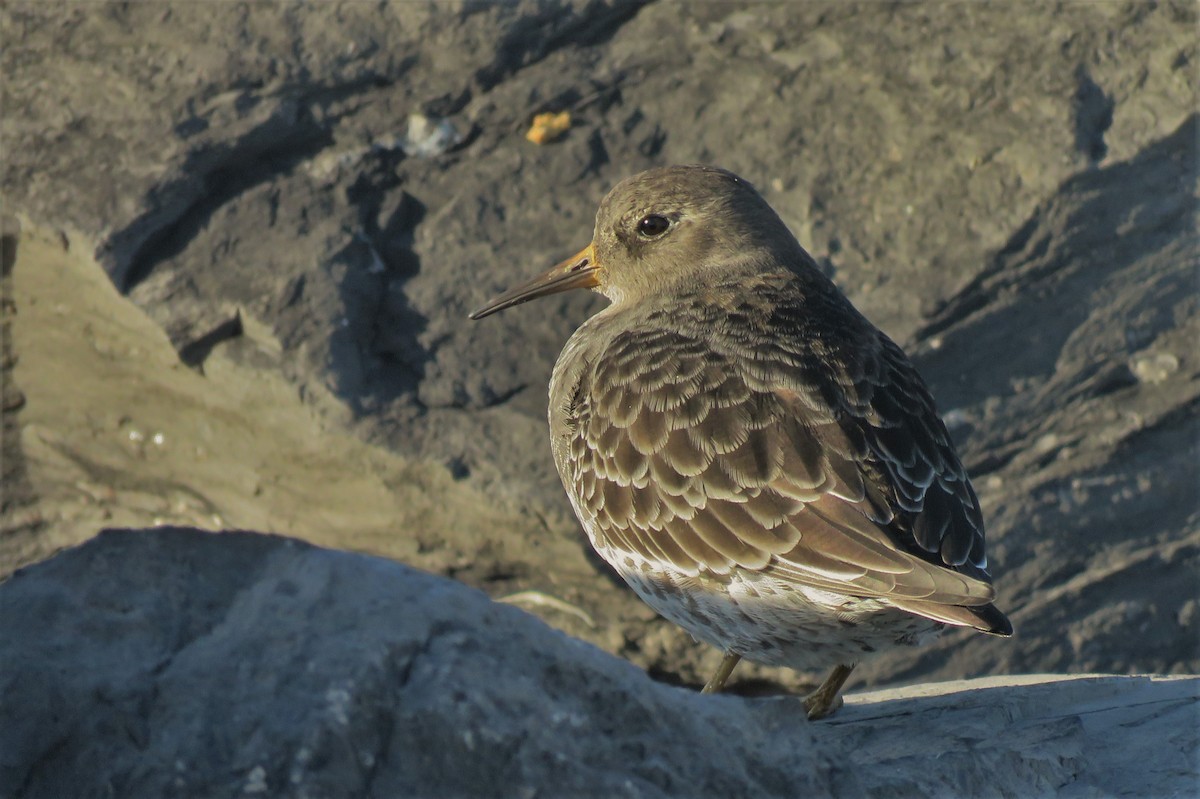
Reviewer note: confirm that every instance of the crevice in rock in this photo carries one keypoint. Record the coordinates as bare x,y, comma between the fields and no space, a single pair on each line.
556,27
385,325
196,350
211,176
273,148
1083,213
1092,110
18,492
492,400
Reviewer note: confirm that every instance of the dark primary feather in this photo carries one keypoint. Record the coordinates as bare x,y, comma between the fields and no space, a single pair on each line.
766,425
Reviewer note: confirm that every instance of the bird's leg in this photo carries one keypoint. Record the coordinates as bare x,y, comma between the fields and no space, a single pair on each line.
826,699
717,682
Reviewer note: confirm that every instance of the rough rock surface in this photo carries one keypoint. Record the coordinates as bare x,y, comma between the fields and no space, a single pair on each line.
1012,194
176,662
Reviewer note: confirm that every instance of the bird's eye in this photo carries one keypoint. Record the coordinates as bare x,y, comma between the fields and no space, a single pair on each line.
653,226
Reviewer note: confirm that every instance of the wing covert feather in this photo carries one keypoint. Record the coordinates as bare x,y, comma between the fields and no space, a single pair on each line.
684,453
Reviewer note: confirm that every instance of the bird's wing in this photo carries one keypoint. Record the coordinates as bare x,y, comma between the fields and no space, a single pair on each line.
839,478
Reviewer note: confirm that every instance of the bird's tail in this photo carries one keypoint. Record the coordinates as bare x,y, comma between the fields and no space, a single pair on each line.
985,618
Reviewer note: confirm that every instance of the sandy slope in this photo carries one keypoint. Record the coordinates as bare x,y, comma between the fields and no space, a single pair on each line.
115,431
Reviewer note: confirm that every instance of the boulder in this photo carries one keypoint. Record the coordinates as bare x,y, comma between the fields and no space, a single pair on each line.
251,234
176,662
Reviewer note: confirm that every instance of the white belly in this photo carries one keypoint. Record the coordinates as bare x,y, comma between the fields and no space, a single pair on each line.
771,621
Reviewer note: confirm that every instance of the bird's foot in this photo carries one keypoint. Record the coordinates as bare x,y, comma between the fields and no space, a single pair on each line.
819,704
826,700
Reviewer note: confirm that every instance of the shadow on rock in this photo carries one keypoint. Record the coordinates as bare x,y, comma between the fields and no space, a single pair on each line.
377,355
1066,369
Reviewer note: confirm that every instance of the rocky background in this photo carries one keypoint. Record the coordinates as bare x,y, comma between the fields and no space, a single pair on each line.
240,243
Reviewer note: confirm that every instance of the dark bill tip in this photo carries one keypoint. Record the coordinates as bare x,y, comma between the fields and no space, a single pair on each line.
577,272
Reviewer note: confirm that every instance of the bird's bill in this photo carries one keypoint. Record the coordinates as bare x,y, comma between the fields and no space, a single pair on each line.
577,272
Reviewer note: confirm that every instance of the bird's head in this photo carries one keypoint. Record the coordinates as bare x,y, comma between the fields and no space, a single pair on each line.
663,230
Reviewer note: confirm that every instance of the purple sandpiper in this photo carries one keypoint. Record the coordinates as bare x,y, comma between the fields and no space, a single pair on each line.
760,463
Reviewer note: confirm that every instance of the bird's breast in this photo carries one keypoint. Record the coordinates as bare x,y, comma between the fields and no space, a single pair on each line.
570,380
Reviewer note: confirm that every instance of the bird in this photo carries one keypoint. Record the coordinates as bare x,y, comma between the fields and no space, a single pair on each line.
761,465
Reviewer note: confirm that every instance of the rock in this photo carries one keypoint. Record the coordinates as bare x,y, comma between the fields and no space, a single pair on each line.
1012,196
428,138
1094,519
174,662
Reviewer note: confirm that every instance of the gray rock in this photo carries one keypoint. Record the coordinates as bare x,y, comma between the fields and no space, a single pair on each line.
1087,470
174,662
1011,195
